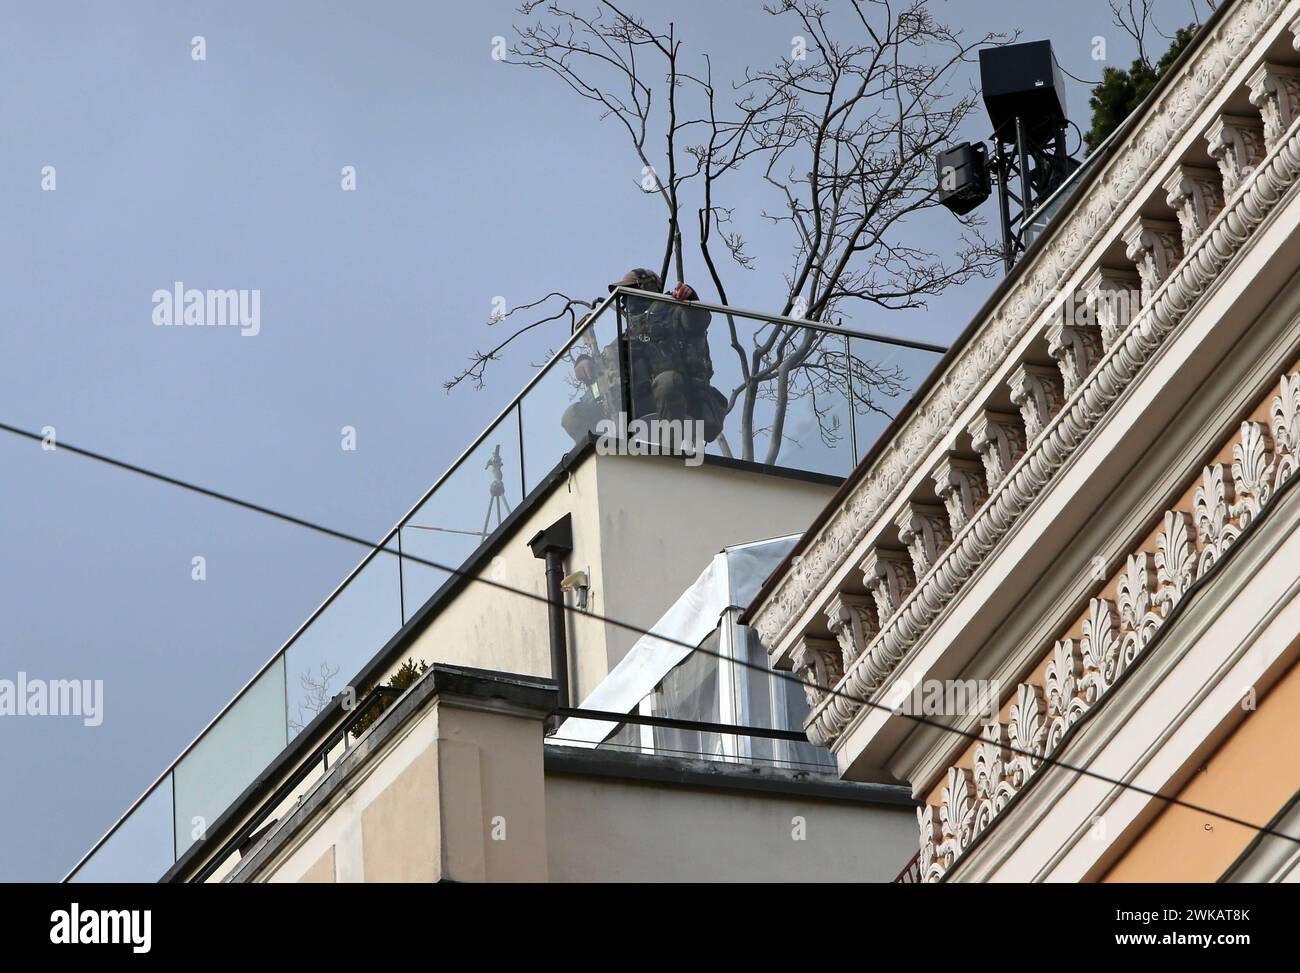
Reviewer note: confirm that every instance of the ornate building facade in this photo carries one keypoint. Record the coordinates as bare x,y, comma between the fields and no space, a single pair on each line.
1090,507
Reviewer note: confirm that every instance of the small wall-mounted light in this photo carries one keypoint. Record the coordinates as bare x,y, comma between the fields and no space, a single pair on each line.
578,582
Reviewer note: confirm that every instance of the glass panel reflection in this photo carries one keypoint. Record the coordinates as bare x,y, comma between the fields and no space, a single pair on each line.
581,388
141,849
771,392
465,508
228,758
343,638
884,377
755,390
690,692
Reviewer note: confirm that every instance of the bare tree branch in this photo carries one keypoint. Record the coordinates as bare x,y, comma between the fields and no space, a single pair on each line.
841,132
481,359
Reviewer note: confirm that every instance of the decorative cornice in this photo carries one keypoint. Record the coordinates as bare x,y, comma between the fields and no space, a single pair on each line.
1192,539
961,483
1195,193
1071,238
1275,91
1110,297
1236,143
1155,247
1264,188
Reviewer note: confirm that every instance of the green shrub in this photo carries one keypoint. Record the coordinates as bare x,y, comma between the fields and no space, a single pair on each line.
403,679
1120,92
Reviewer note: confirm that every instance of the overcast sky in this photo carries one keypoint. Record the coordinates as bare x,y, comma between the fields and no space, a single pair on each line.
475,179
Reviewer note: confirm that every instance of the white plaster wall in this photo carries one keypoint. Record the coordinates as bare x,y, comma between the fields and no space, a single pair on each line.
610,830
661,522
643,530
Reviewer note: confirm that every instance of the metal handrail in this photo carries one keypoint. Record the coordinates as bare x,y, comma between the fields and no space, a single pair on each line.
382,545
319,755
307,623
911,873
837,329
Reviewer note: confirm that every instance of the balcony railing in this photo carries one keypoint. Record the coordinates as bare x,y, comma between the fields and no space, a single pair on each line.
786,393
911,873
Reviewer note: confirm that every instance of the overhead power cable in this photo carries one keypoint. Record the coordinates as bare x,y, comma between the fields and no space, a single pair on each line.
1072,76
636,629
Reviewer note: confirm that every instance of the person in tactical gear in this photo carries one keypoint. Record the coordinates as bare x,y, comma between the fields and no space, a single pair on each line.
667,350
596,369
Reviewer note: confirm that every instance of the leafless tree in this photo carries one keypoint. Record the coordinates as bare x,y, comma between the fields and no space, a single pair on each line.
567,310
841,130
1137,19
315,695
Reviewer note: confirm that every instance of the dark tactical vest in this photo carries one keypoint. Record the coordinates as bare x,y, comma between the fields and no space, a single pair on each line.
665,337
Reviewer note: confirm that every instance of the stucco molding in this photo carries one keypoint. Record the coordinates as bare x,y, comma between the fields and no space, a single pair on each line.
1157,724
1146,476
1192,277
1079,675
1071,239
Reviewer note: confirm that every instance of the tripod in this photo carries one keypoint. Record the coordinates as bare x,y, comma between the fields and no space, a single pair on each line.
497,502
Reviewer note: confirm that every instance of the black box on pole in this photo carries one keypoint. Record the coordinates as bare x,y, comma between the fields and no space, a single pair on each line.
963,177
1022,80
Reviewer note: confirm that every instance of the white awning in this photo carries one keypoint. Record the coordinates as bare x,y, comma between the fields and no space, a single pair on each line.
731,580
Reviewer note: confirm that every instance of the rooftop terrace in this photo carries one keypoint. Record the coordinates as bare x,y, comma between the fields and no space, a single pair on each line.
799,397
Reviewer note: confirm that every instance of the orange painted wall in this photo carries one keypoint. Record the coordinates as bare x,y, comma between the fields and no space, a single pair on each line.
1252,774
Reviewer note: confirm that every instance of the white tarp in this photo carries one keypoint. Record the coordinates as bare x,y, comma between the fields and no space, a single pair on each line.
732,579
